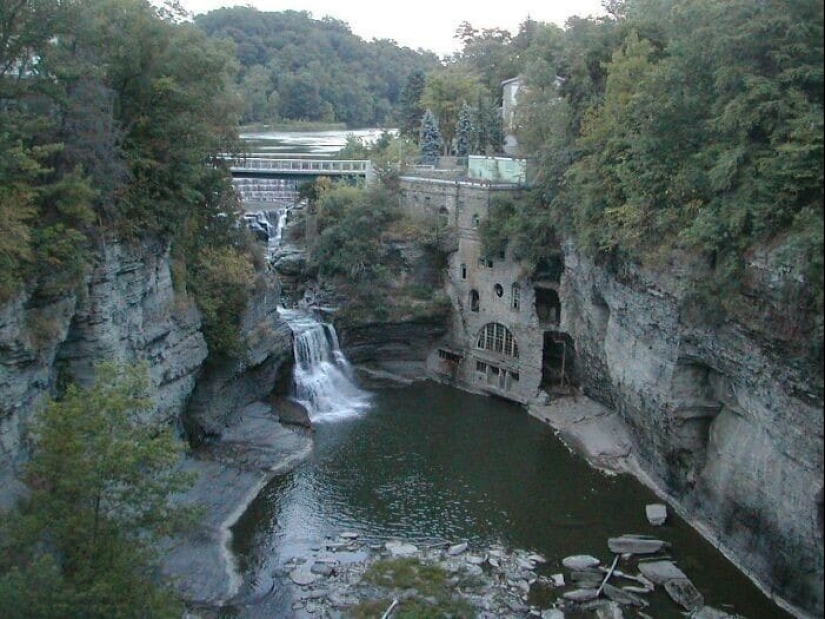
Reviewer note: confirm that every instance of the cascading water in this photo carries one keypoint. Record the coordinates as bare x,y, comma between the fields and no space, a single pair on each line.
323,379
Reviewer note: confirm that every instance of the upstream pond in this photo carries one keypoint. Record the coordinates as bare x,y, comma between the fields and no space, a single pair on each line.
426,463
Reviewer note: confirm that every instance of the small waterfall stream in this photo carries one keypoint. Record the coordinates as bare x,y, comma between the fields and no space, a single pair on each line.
323,379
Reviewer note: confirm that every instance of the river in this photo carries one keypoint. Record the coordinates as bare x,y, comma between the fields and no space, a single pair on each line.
289,144
427,463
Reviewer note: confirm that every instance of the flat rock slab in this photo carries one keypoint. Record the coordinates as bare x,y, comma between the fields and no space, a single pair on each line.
684,594
321,569
628,544
656,514
581,595
400,549
587,579
659,572
302,577
623,597
580,562
708,612
457,549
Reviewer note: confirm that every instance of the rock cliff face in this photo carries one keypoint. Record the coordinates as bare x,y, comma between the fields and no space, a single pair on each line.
126,310
727,416
227,387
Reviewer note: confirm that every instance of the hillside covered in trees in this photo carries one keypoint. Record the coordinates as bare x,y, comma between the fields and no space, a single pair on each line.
294,67
666,126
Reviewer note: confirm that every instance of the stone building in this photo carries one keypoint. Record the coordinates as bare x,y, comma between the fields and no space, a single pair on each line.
504,338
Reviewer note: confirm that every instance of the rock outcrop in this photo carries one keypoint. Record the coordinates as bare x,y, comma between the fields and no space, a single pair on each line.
727,413
227,387
125,310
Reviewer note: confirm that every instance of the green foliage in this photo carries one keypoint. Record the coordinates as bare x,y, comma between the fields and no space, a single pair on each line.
113,112
429,140
101,475
525,226
694,125
222,279
444,94
351,222
291,68
411,110
463,131
433,597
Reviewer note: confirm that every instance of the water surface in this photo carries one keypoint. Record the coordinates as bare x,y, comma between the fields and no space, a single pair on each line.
427,463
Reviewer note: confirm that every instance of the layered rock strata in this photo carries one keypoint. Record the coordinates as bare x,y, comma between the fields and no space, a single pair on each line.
726,413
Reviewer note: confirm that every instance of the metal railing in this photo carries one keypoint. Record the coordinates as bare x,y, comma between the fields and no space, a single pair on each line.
300,166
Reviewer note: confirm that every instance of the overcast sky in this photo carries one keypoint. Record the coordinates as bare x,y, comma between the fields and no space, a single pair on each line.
429,24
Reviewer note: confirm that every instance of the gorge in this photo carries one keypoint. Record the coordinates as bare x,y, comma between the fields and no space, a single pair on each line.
713,425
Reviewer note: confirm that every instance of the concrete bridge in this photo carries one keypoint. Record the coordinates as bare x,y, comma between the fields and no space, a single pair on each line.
291,168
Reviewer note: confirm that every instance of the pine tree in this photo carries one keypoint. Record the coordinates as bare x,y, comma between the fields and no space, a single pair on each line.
429,139
411,110
464,131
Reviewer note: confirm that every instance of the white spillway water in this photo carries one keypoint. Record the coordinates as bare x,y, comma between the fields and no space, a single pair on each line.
323,379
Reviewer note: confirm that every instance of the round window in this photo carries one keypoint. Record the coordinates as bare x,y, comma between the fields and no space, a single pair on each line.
498,290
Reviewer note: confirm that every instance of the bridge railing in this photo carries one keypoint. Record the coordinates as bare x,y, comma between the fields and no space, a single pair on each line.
301,166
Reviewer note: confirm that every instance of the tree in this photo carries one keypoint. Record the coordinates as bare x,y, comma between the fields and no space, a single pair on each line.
464,131
101,476
429,140
444,94
411,110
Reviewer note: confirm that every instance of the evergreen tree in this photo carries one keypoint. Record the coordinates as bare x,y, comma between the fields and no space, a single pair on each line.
411,110
429,139
464,131
100,478
488,131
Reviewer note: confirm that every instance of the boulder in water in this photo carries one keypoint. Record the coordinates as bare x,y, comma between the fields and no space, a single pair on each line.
290,412
660,572
656,514
636,545
580,562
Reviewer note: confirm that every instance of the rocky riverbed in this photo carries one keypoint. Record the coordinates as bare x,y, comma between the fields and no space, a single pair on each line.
445,579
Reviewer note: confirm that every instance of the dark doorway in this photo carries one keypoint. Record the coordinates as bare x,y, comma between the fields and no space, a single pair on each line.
548,306
558,372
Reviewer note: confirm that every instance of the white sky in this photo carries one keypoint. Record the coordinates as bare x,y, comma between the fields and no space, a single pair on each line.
428,24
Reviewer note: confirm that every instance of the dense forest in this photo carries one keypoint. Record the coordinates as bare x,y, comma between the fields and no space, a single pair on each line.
293,67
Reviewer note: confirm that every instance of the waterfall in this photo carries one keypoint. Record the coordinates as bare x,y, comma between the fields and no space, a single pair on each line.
323,379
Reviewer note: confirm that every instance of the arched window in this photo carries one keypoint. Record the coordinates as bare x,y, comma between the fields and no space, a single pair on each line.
474,300
497,338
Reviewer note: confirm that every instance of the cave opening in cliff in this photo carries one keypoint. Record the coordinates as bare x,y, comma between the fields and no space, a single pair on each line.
548,306
558,371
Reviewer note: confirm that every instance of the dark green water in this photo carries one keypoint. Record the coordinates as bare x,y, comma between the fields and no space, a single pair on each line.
428,463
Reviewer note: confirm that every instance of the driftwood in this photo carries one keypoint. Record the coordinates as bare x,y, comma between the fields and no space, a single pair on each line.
647,584
388,612
609,574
